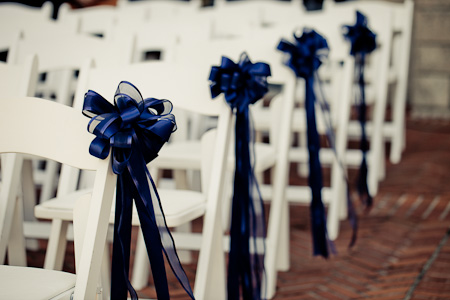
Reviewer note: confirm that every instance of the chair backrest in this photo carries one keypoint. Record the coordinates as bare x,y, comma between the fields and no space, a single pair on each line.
95,20
59,56
71,50
31,20
54,131
20,79
17,12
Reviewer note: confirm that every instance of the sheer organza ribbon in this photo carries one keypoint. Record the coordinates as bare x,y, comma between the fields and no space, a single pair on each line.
363,41
243,83
305,57
135,129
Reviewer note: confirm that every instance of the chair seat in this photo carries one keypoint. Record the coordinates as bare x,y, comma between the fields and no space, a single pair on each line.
34,283
183,154
179,206
187,155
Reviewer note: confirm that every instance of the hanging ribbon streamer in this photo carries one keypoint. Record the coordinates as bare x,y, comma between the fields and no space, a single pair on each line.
305,57
363,41
243,84
325,108
135,129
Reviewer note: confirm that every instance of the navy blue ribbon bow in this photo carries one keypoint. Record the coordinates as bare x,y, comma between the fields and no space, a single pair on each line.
305,57
135,129
243,83
363,41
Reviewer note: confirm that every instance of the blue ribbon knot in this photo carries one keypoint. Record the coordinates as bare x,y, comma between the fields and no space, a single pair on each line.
306,53
243,83
363,41
135,129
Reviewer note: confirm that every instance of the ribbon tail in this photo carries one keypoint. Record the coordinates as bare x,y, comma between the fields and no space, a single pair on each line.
154,249
245,267
157,236
352,217
363,189
317,209
257,221
239,266
120,284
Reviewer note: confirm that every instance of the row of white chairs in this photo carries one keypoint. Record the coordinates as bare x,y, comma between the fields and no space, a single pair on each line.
170,46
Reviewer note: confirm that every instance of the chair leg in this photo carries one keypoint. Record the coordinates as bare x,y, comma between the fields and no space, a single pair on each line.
382,171
398,124
29,199
56,248
48,185
106,274
334,207
184,255
277,237
181,182
283,260
141,266
11,169
210,274
16,246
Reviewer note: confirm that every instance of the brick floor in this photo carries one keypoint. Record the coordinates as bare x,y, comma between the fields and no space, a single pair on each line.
401,251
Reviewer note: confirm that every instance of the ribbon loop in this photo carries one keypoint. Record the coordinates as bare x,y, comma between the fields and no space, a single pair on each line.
135,129
243,83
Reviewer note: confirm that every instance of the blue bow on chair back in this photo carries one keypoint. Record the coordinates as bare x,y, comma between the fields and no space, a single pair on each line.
134,130
242,84
363,41
304,58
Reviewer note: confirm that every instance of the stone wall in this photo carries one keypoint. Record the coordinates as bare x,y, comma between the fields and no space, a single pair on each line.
429,82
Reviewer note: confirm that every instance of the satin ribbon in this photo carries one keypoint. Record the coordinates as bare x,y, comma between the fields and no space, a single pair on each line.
363,41
305,57
243,83
135,129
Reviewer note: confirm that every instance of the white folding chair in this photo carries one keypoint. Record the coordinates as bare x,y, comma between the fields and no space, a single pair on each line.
19,80
394,130
97,20
156,79
76,49
37,118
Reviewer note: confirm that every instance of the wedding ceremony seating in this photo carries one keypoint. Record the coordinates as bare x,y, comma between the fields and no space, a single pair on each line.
191,97
166,49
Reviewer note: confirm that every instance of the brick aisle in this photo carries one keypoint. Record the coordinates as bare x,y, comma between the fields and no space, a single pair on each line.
402,237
